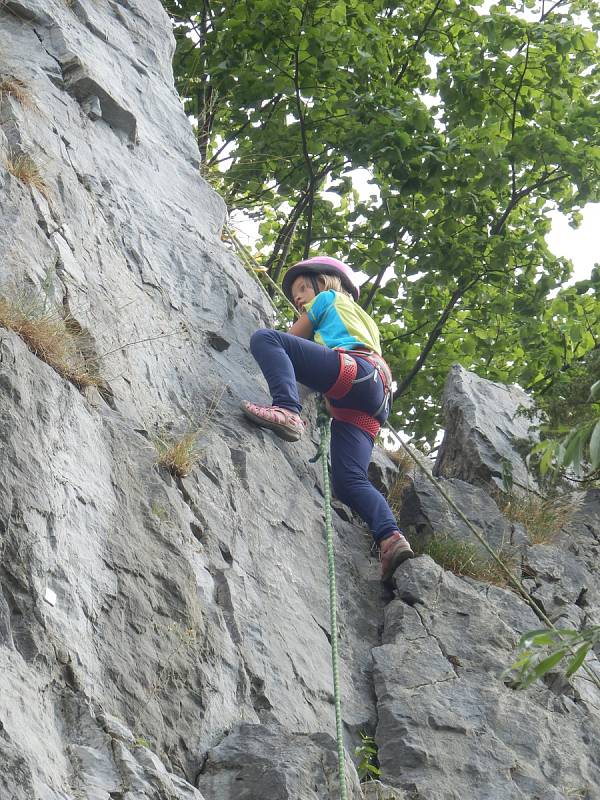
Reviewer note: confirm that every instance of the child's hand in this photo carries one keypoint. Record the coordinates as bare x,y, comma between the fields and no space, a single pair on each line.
302,327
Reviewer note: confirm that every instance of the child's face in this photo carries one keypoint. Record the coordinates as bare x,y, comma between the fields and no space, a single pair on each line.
302,292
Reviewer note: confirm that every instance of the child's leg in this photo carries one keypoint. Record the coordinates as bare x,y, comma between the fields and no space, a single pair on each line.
351,450
285,359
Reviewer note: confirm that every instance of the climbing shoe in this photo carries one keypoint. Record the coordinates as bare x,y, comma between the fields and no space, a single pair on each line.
393,551
285,423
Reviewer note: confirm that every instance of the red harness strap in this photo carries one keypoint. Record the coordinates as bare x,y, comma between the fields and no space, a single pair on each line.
345,378
363,421
344,382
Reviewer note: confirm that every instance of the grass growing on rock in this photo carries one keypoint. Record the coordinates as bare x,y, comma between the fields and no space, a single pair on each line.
542,517
396,493
463,558
180,455
401,459
23,168
16,88
51,336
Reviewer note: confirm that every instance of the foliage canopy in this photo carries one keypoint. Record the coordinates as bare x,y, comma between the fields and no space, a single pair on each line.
473,123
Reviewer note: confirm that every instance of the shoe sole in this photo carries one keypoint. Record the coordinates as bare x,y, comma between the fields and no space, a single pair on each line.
398,559
279,430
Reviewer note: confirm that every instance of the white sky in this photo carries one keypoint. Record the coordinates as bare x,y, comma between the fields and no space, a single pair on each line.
580,245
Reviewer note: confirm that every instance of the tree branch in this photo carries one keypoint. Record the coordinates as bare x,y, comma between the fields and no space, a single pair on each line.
309,218
546,14
434,336
546,179
273,103
415,44
282,242
552,376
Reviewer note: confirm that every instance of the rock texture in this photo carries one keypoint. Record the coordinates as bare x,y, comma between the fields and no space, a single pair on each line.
485,423
267,761
447,725
160,636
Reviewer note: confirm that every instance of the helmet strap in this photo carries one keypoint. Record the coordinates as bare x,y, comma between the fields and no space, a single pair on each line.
314,282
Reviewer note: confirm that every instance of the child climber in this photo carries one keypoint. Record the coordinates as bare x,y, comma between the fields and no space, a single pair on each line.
344,363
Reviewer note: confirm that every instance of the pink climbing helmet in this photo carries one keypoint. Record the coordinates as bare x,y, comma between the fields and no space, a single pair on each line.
319,265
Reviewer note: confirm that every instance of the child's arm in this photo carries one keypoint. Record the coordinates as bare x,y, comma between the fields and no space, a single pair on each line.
303,327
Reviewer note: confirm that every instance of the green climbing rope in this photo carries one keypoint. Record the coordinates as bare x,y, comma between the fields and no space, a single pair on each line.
324,424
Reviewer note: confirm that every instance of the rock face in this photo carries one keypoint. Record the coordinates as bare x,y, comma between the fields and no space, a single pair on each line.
484,422
267,761
447,726
162,636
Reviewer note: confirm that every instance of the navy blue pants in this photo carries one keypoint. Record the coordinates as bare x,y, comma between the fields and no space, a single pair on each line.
284,360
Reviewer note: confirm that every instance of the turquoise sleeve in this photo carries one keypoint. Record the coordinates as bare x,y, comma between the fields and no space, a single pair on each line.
317,307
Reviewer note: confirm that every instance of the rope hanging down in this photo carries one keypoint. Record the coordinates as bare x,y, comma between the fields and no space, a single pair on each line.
254,268
324,422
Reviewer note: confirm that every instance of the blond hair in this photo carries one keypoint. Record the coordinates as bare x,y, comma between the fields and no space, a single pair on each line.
327,282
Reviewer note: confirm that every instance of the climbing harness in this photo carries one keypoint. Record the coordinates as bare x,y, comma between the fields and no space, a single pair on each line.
324,425
346,379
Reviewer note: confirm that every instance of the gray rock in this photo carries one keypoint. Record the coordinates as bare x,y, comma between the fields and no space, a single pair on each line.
425,513
92,107
485,423
258,761
376,790
183,607
458,732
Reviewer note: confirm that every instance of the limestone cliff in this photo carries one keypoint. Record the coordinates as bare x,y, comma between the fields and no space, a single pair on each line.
169,637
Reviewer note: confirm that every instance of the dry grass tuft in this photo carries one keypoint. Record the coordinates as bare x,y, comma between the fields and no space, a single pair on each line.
401,459
181,455
542,517
396,493
464,559
24,168
14,87
51,337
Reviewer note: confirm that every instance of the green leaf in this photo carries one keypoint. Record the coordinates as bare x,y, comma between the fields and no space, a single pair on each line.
573,452
589,40
338,12
577,659
544,666
548,449
595,446
537,638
